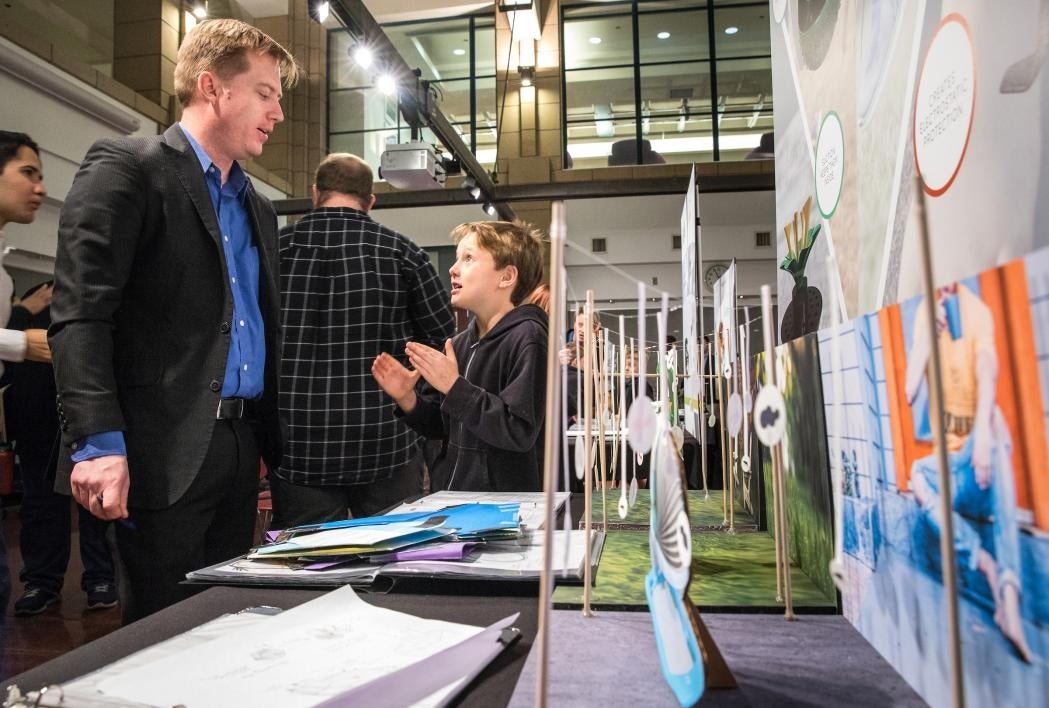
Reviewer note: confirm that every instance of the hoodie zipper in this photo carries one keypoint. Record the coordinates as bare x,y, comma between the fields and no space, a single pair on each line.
459,452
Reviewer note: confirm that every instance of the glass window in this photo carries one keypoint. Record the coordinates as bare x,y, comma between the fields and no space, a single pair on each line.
454,99
367,145
600,110
745,82
675,111
441,50
673,36
484,47
675,108
742,31
601,96
362,119
361,109
599,41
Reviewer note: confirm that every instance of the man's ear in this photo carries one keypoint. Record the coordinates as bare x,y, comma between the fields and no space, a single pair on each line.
208,86
509,277
371,203
316,196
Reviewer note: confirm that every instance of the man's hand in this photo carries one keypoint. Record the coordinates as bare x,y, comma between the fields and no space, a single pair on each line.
566,356
36,348
40,299
982,451
396,381
100,486
440,370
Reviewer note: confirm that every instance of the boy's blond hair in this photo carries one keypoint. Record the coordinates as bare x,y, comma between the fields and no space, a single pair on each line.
511,243
222,46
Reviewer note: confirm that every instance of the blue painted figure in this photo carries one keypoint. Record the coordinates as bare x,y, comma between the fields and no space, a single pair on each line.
978,445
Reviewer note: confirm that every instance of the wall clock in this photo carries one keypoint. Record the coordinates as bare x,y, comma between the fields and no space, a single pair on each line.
712,273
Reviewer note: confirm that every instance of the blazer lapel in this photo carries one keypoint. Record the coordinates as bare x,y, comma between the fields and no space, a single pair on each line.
187,167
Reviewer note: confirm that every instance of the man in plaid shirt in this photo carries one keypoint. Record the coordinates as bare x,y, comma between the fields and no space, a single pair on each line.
351,288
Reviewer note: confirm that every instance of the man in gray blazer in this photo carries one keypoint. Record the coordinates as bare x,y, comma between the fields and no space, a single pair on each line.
165,320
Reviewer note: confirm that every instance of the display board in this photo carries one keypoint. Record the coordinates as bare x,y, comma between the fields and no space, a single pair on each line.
692,308
993,331
807,496
896,121
878,102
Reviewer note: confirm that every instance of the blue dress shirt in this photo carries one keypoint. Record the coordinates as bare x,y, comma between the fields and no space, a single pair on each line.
247,349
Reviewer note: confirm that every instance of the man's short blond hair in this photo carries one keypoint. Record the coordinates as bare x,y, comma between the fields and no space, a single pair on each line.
511,243
343,173
222,47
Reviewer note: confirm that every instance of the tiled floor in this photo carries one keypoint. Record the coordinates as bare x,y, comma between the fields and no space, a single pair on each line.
26,642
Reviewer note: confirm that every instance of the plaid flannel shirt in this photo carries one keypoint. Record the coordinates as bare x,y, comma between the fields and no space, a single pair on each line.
350,289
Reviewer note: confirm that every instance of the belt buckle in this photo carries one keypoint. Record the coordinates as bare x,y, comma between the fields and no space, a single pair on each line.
232,407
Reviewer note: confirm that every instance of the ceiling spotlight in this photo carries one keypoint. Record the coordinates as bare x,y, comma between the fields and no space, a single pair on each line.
319,11
489,208
386,85
663,35
200,10
527,75
458,51
731,29
362,54
595,40
470,185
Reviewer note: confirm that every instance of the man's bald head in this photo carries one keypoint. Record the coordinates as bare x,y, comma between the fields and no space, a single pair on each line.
346,175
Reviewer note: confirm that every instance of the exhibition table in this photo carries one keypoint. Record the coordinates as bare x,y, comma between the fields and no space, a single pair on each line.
493,687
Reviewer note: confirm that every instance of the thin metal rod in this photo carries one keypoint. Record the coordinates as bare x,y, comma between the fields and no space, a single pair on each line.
551,443
778,508
949,562
588,438
602,403
722,433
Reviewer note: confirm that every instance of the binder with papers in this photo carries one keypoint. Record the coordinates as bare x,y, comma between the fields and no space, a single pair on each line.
335,650
446,535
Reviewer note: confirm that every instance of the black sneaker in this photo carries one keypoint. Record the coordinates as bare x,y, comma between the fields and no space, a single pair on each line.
102,596
34,601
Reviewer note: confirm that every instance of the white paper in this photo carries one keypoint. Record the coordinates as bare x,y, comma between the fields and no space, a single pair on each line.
298,658
84,693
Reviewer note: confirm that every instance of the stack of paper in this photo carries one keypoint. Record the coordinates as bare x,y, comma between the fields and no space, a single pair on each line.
445,535
362,538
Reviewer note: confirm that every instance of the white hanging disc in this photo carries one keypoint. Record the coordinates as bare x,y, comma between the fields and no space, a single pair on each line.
641,422
735,414
770,416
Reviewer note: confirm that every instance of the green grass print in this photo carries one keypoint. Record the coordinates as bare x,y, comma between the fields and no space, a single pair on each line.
806,468
727,571
702,513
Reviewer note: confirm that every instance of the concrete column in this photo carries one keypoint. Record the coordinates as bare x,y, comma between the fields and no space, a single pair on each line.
145,46
530,125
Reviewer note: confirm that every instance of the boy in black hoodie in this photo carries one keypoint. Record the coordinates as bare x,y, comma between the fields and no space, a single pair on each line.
486,390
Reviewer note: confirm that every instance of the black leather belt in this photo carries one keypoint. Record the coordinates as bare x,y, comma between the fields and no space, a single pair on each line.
230,409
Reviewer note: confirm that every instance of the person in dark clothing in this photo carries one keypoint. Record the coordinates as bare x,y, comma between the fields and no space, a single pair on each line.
21,195
45,534
571,356
350,289
484,394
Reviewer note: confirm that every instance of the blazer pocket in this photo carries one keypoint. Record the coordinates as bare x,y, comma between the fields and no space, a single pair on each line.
140,370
